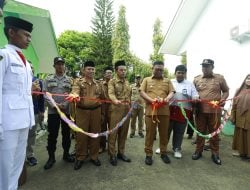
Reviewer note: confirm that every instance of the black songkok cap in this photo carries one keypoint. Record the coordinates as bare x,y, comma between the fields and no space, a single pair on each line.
58,59
108,68
120,63
11,21
89,64
207,62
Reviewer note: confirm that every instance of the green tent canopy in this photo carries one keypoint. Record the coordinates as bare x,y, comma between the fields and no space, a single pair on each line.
43,47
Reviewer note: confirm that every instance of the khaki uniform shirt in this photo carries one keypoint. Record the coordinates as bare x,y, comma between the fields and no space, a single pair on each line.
91,92
105,90
210,89
58,85
155,88
119,90
135,97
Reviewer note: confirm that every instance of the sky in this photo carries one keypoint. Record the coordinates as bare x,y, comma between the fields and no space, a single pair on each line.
140,16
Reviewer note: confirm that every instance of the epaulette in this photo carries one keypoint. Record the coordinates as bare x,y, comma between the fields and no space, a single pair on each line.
218,75
50,76
165,79
197,76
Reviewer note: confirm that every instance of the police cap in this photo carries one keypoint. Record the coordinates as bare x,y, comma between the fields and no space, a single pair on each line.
207,62
58,59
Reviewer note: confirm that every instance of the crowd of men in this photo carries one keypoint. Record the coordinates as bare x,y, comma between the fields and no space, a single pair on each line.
98,106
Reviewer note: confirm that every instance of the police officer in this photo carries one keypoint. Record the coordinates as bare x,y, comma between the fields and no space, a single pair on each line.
58,83
138,110
210,87
108,71
157,89
16,106
120,93
88,115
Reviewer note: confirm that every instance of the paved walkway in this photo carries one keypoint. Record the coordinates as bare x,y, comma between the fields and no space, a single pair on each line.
185,173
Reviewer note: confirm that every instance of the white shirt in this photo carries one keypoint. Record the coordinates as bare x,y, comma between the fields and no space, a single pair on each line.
16,106
185,90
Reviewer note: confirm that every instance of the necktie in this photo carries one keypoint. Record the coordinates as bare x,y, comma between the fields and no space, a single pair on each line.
22,57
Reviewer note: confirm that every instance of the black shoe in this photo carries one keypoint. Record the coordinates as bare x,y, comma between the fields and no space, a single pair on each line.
96,162
78,164
132,135
196,155
32,161
216,159
68,158
49,163
141,135
123,158
113,161
148,160
165,159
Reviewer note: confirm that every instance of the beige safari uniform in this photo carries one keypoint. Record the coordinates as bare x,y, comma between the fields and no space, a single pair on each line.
209,89
105,121
88,117
118,90
156,88
138,110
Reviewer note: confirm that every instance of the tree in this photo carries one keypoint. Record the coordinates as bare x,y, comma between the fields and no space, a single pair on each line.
184,58
102,29
157,41
138,67
120,41
75,48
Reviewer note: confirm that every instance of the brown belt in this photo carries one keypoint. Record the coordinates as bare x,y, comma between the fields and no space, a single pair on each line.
88,108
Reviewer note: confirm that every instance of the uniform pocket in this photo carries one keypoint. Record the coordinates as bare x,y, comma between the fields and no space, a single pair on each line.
18,72
18,103
52,84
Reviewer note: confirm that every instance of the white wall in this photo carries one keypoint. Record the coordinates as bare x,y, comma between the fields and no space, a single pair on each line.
210,38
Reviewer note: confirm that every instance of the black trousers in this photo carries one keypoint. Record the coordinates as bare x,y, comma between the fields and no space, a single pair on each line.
178,129
54,123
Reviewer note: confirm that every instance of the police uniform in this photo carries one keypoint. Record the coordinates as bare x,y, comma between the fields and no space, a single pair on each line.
118,89
138,110
57,85
16,108
88,118
209,118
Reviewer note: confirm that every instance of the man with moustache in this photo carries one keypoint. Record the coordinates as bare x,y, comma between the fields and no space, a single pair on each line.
88,115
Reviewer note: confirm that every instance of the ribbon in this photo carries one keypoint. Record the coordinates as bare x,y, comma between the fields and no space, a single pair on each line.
75,128
156,105
207,136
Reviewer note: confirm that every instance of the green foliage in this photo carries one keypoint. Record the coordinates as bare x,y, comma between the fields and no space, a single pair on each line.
102,29
75,48
158,39
138,67
120,40
184,58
